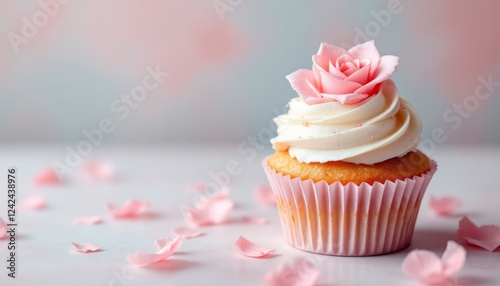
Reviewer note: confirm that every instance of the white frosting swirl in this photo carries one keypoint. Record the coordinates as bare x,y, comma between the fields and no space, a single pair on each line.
382,127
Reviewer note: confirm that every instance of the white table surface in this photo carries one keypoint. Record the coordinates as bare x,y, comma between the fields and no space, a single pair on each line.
162,175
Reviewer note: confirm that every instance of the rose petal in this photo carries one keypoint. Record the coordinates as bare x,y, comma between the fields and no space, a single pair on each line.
87,220
317,76
304,83
333,85
366,50
335,72
130,209
33,203
350,98
213,213
249,249
3,229
348,77
444,205
210,210
298,272
47,176
325,64
163,242
98,170
424,265
386,68
167,248
360,76
345,64
254,220
222,194
453,258
85,247
486,236
427,267
264,195
186,232
328,52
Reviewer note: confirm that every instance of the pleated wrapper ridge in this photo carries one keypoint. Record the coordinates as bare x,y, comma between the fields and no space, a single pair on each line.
348,220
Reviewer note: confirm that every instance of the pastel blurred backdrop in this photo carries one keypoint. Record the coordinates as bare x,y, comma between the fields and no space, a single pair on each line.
220,66
167,101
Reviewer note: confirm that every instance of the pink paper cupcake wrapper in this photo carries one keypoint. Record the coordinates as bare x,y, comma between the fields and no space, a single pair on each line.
348,220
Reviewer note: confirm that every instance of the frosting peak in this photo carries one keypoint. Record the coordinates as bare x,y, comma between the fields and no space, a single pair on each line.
379,128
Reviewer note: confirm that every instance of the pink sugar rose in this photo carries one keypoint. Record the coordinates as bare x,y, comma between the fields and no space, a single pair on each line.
348,77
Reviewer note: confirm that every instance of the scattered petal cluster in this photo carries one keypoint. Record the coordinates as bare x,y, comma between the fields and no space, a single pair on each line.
427,267
486,236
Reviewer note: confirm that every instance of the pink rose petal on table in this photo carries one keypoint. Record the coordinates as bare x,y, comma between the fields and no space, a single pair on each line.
445,205
298,272
223,193
130,209
427,267
210,210
167,241
32,203
254,220
249,249
187,232
85,247
3,229
166,247
486,236
98,170
264,195
47,176
87,220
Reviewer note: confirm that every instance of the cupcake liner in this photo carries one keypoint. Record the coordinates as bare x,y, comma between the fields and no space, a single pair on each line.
348,220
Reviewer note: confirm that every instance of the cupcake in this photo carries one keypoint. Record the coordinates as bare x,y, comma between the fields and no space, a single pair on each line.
347,176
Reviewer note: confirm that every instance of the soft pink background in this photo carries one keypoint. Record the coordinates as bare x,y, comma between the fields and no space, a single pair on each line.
226,76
